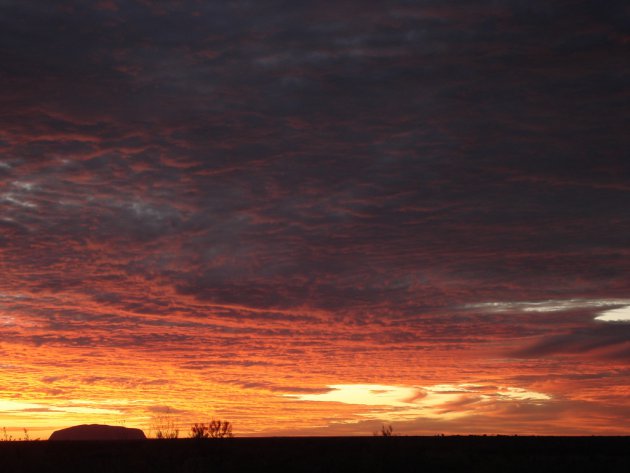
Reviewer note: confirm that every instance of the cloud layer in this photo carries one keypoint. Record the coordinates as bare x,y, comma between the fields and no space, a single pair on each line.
244,200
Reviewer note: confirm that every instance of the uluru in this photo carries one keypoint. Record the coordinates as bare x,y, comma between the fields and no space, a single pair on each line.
97,432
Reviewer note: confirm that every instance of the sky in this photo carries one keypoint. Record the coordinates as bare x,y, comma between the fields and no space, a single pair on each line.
314,218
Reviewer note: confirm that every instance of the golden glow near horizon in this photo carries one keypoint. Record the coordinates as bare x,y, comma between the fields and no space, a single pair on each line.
9,407
262,384
365,402
407,402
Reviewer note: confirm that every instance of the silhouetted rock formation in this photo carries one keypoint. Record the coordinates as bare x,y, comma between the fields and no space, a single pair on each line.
97,432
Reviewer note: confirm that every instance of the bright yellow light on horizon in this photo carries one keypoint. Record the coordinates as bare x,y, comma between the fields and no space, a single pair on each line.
363,394
442,401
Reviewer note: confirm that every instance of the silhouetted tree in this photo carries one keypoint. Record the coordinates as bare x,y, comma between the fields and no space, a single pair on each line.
386,431
216,429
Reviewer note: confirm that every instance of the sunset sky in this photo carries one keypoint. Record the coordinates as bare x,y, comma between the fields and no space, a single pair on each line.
313,218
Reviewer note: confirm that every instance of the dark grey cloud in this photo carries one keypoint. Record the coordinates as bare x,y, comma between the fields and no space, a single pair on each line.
604,341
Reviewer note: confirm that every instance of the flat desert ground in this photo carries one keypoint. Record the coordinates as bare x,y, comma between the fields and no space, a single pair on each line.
324,454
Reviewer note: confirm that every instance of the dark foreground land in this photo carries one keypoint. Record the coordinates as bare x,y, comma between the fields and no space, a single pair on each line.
338,454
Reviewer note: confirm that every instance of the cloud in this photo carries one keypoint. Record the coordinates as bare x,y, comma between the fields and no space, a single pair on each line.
164,410
603,342
621,314
20,407
257,197
586,338
443,402
548,305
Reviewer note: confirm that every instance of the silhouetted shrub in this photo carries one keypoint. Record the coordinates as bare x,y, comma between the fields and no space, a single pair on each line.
6,437
164,426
